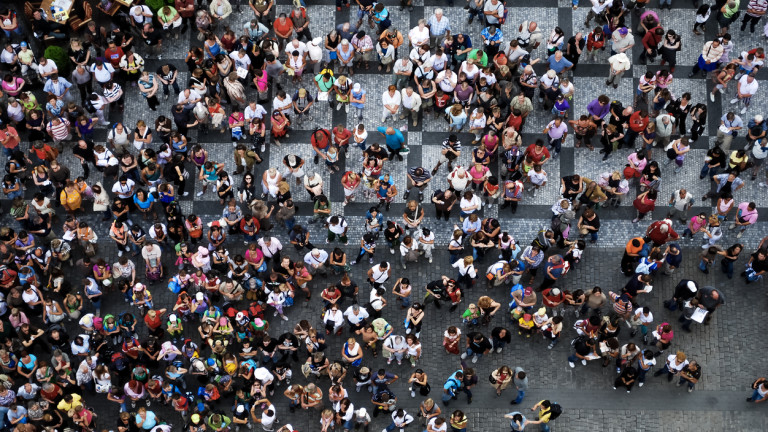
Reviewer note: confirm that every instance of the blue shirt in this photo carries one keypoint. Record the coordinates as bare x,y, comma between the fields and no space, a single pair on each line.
144,204
150,422
394,141
496,37
452,384
558,66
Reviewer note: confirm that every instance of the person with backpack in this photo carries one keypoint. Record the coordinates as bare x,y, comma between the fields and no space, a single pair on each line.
548,411
452,386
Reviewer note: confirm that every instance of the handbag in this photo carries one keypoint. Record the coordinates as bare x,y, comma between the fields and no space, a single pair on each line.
491,378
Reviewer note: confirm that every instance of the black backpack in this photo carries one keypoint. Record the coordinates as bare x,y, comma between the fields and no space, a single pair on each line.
555,410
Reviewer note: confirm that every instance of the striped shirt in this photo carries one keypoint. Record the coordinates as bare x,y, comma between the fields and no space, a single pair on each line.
438,28
365,44
758,6
455,147
59,131
113,93
621,305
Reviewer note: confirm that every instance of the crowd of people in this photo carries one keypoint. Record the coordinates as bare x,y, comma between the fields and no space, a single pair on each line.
59,349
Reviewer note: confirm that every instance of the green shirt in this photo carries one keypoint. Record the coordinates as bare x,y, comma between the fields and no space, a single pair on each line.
730,12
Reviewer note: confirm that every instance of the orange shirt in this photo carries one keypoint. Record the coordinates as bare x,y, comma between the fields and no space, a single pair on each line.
283,27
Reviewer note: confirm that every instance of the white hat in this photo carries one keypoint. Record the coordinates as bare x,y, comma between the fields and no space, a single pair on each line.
239,316
692,286
356,87
172,317
199,296
240,409
758,118
361,412
317,40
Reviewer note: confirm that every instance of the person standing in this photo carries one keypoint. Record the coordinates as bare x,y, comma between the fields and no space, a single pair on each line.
520,380
619,64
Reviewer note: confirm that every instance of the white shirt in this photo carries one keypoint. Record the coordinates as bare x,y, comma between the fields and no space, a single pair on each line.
137,11
432,421
355,319
104,74
639,316
49,67
465,270
395,99
193,95
279,105
252,113
302,49
339,228
314,261
379,275
392,343
409,102
419,36
598,7
337,317
673,365
262,374
243,62
315,51
123,191
475,201
274,246
747,87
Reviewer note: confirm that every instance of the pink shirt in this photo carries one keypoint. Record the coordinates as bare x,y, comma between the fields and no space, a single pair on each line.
746,214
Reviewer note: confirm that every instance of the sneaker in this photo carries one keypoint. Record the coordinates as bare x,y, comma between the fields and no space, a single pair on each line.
712,97
690,389
430,260
474,359
148,403
733,225
346,107
199,193
119,253
629,391
399,362
464,356
570,363
614,387
389,360
274,314
353,262
498,350
584,362
734,100
186,194
763,184
370,260
640,384
744,110
741,233
678,384
618,370
284,318
391,251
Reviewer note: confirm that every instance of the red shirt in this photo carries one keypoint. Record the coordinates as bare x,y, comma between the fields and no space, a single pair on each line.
344,135
285,28
637,123
537,157
114,56
515,122
651,39
153,323
320,139
9,137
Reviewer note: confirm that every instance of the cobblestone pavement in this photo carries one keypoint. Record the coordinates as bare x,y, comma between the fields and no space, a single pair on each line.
728,349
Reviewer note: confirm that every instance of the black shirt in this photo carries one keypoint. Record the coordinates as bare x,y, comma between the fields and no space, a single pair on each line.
447,202
154,37
437,287
169,75
182,119
478,346
497,331
582,348
379,154
85,153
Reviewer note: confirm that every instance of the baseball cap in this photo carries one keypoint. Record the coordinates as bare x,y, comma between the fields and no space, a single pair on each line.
692,286
23,44
623,31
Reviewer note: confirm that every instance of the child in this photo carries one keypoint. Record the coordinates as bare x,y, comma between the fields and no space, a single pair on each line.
471,316
561,106
332,158
702,15
526,324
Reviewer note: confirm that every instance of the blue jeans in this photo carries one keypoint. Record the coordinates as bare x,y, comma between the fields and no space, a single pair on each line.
666,2
593,236
544,427
755,397
3,415
498,343
685,381
458,124
572,358
14,194
8,33
520,396
706,171
471,353
641,373
556,144
167,88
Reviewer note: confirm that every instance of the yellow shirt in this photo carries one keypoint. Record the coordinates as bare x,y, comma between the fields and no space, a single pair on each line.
76,402
70,199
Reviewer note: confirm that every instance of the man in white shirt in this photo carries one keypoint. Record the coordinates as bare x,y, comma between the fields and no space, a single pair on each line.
426,242
337,226
296,45
379,274
746,88
619,63
447,80
598,7
315,261
641,318
411,104
188,98
102,72
46,68
282,103
124,188
241,59
402,71
252,111
391,101
396,347
118,138
141,14
493,11
270,247
356,316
